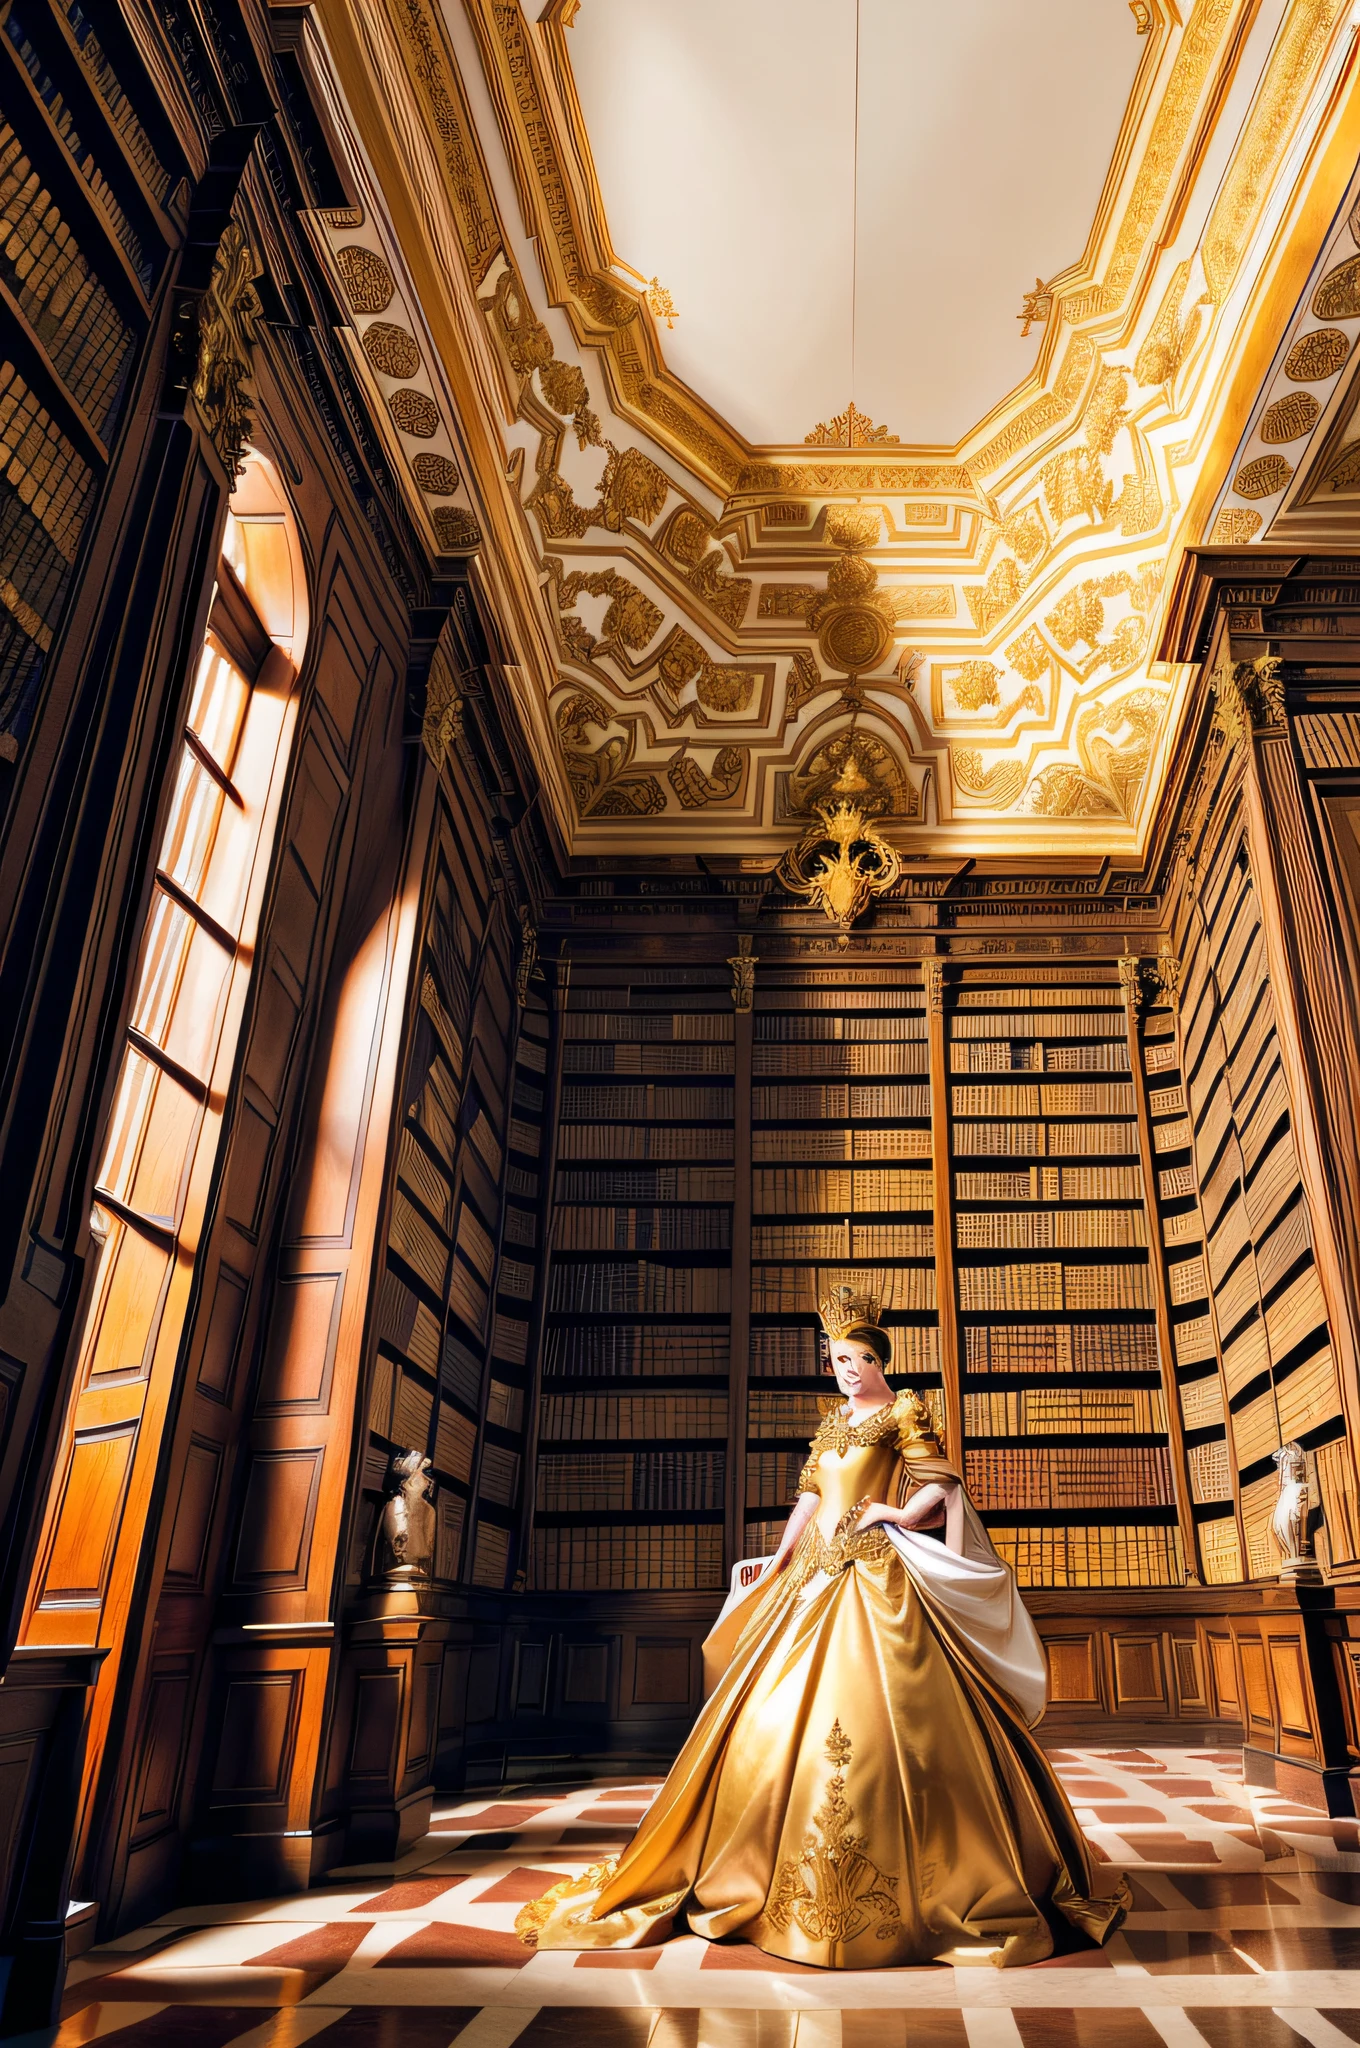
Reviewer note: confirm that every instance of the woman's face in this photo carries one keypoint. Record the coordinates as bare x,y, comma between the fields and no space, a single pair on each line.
858,1370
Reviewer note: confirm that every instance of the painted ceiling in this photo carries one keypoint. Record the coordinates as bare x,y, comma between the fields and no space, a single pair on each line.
710,360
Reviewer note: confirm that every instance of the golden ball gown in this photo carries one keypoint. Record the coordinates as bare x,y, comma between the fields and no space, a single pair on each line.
861,1788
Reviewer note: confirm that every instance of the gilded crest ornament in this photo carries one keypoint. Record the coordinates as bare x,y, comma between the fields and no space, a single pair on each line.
226,328
841,863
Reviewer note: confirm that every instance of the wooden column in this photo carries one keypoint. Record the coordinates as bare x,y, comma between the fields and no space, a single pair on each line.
1131,982
1317,1038
743,965
932,972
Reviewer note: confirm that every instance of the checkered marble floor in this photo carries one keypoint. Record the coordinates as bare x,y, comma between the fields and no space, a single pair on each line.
1245,1933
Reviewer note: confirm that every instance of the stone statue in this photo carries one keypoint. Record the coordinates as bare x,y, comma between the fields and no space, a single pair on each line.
406,1529
1289,1522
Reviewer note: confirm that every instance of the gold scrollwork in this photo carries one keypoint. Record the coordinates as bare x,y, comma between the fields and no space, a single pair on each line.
841,864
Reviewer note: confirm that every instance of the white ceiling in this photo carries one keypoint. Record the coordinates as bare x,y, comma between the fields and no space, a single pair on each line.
724,138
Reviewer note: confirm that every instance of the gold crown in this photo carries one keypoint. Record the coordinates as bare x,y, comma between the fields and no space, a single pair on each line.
844,1310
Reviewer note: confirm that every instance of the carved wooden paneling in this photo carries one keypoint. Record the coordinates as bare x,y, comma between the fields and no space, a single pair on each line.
199,1481
377,1723
1256,1685
1288,1670
662,1672
1223,1664
303,1329
158,1773
1073,1669
585,1677
275,1542
1139,1674
255,1745
1187,1663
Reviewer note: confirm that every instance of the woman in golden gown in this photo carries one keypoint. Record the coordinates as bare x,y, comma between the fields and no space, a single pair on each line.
862,1788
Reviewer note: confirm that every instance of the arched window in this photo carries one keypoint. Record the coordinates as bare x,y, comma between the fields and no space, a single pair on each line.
184,1021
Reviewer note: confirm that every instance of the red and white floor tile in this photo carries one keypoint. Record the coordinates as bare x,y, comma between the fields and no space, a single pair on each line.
1245,1933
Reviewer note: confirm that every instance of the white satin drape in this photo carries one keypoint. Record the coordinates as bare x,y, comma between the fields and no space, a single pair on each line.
963,1583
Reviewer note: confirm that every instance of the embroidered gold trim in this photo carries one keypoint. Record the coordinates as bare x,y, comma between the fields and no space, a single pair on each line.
831,1889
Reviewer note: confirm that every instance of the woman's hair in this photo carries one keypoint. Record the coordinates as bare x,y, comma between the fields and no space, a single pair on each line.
871,1337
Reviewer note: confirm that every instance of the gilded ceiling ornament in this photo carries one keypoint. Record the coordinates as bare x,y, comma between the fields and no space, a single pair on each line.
1263,477
805,680
849,429
1338,296
1316,356
1036,309
631,620
227,315
435,474
1107,778
694,788
841,864
659,303
974,684
1290,417
997,787
852,618
1029,655
415,412
456,529
599,782
856,765
1172,334
391,349
367,277
1234,526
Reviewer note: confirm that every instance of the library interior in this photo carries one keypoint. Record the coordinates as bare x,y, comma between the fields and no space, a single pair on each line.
585,771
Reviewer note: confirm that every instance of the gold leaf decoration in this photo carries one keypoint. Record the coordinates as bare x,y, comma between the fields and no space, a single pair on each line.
1234,526
1316,356
849,429
785,600
805,679
856,767
694,788
631,619
831,1889
226,328
725,689
1263,477
840,863
435,474
974,684
991,600
391,349
415,413
1338,296
997,787
1029,655
1290,417
367,277
456,530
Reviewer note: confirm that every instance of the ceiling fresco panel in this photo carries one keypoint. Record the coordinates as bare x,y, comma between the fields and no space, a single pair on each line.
712,628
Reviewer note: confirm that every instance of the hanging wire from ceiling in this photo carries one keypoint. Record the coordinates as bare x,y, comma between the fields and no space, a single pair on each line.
854,219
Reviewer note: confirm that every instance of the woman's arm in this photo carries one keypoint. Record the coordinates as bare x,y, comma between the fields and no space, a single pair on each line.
805,1507
926,1507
